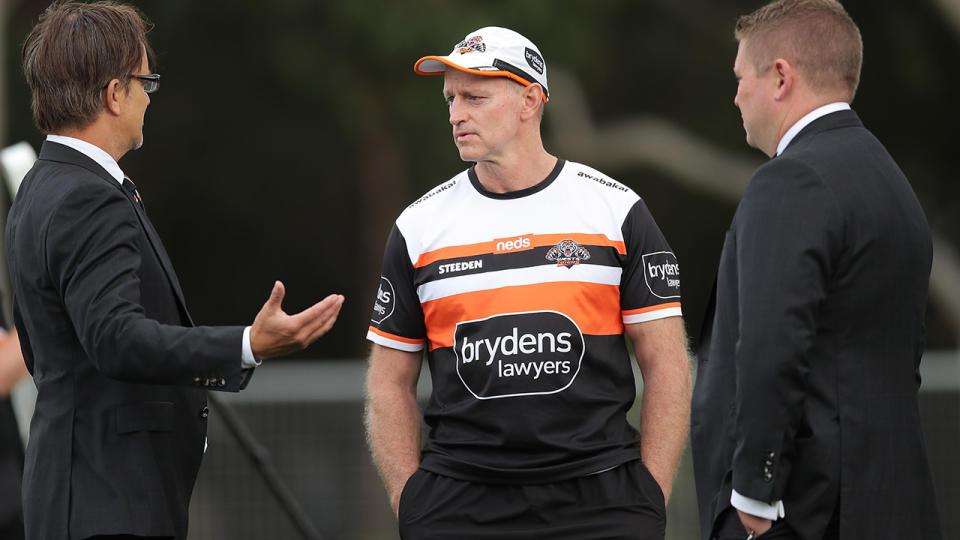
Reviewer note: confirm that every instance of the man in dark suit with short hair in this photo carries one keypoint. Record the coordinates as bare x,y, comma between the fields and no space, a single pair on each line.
121,372
805,417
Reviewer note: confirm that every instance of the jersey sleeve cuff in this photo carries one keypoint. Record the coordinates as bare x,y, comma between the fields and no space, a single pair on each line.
651,313
394,341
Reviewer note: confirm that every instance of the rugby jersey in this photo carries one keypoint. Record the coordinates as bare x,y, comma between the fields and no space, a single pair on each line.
520,300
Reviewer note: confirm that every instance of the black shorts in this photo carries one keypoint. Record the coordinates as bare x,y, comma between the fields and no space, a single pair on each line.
622,503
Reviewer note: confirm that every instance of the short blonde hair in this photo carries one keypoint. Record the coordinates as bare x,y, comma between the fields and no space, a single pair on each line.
817,37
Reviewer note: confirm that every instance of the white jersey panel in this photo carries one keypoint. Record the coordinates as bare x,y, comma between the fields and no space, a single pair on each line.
580,200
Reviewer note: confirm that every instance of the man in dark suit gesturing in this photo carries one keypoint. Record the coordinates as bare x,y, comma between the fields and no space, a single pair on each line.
119,428
805,411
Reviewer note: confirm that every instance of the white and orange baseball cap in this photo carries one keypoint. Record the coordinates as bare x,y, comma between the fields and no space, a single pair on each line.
495,52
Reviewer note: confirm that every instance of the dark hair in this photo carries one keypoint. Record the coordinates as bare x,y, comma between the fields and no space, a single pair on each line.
73,53
817,36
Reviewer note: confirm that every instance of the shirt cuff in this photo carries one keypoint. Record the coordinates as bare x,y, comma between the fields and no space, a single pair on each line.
771,511
247,360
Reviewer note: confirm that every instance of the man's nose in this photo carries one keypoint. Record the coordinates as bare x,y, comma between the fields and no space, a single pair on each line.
456,111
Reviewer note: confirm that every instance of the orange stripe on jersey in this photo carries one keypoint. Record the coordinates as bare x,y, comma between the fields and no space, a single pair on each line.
594,307
502,245
657,307
396,337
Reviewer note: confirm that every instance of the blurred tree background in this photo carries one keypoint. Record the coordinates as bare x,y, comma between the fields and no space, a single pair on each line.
288,135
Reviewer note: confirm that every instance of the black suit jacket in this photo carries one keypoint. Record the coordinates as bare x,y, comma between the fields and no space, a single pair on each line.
808,366
120,422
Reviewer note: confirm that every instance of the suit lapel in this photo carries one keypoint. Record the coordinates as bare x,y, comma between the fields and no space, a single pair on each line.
164,259
51,151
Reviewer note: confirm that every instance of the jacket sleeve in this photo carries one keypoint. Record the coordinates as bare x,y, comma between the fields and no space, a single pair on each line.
93,256
789,234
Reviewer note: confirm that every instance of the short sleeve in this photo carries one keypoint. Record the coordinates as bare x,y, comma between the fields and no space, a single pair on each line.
650,284
397,318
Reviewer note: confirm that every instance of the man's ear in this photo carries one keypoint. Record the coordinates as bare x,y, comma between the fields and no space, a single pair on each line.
113,95
785,78
532,97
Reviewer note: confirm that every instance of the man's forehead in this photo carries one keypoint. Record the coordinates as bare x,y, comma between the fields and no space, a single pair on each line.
454,79
741,62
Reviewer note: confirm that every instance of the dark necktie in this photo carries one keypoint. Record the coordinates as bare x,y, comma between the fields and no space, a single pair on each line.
131,188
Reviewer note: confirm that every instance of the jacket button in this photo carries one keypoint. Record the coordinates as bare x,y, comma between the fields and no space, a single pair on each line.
204,412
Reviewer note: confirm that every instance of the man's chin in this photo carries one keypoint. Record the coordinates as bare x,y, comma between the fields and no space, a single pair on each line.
467,155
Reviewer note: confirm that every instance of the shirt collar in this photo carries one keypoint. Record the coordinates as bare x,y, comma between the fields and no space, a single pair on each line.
93,152
807,119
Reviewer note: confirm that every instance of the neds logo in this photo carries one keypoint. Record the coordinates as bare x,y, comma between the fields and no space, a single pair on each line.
662,274
518,354
520,243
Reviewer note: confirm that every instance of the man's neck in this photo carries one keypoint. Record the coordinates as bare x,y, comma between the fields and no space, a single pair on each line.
801,105
518,172
98,136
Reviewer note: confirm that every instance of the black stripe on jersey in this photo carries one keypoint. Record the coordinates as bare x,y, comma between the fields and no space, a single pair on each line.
492,262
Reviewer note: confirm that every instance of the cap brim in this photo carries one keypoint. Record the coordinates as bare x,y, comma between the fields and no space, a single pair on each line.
434,65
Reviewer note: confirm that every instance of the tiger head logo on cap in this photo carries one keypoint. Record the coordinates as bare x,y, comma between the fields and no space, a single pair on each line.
471,44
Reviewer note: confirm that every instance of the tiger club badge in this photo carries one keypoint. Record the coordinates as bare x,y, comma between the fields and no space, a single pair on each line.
568,253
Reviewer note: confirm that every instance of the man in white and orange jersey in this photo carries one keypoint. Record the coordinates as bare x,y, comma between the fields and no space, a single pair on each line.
520,277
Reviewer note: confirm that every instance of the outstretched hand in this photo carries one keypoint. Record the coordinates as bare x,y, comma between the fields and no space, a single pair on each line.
274,333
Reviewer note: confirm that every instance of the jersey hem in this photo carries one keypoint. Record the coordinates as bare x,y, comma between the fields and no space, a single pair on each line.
447,466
